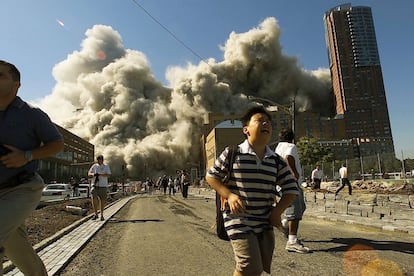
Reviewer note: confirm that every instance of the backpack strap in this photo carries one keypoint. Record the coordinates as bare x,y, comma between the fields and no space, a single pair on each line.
233,150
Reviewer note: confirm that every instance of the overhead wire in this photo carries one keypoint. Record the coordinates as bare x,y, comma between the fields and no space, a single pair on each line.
170,32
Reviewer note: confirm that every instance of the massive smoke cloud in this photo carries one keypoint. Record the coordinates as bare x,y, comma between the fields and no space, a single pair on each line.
108,95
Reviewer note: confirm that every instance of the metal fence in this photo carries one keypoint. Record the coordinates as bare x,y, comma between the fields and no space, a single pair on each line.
364,167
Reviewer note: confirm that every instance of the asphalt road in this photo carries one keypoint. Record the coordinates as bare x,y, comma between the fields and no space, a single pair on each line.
166,235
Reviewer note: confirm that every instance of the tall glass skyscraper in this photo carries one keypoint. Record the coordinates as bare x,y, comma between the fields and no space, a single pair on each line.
357,80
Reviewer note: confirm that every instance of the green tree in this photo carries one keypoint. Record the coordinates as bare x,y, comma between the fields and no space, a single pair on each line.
392,165
409,164
311,153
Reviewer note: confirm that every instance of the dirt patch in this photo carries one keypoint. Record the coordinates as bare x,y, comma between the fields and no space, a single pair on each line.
46,221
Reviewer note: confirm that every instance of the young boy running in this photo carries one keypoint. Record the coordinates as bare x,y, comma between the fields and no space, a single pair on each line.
251,192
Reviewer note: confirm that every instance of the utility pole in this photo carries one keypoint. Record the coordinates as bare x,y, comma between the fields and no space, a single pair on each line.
403,166
123,178
290,110
379,164
293,113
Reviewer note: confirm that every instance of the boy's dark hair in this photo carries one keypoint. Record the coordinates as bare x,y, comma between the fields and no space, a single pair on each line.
254,110
286,135
14,72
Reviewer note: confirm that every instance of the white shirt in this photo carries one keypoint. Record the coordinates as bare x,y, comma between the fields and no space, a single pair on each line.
343,172
284,149
101,169
316,174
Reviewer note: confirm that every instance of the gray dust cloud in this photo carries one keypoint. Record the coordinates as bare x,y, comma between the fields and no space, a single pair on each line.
108,95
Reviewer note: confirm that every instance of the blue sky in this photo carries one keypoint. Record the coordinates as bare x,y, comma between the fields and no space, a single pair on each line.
34,38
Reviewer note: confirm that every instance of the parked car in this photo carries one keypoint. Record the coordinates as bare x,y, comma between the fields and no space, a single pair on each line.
84,190
56,191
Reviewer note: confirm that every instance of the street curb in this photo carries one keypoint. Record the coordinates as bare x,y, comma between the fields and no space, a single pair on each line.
8,266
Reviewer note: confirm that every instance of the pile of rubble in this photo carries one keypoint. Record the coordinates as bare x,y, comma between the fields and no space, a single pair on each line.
384,187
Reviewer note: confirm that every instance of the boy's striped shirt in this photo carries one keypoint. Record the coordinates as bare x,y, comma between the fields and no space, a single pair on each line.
254,181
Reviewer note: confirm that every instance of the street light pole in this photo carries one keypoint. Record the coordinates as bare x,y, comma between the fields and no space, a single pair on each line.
402,166
379,164
292,113
288,110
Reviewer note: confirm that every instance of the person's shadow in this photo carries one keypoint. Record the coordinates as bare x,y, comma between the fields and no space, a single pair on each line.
344,244
114,220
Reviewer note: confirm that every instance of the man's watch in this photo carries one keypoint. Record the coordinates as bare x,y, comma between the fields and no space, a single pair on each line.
28,155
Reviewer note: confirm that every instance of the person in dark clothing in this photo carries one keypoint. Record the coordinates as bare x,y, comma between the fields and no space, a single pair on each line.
75,186
185,183
26,135
343,172
171,188
164,183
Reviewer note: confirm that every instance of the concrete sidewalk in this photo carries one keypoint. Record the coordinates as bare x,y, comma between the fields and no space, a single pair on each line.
59,250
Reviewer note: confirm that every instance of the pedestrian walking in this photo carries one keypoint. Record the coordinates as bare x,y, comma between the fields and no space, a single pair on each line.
251,192
164,183
171,188
316,177
75,186
288,150
149,186
177,182
100,172
26,135
185,183
343,172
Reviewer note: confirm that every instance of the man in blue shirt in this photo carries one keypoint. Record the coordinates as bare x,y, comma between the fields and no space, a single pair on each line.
251,194
26,135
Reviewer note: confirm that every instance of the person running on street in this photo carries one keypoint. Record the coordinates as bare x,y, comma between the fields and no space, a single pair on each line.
288,150
343,172
251,192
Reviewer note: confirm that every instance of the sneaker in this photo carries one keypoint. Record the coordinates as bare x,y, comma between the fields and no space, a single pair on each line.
95,216
297,247
102,218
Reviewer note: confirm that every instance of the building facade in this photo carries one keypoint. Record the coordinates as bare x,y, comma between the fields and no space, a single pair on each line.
218,139
357,80
74,161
